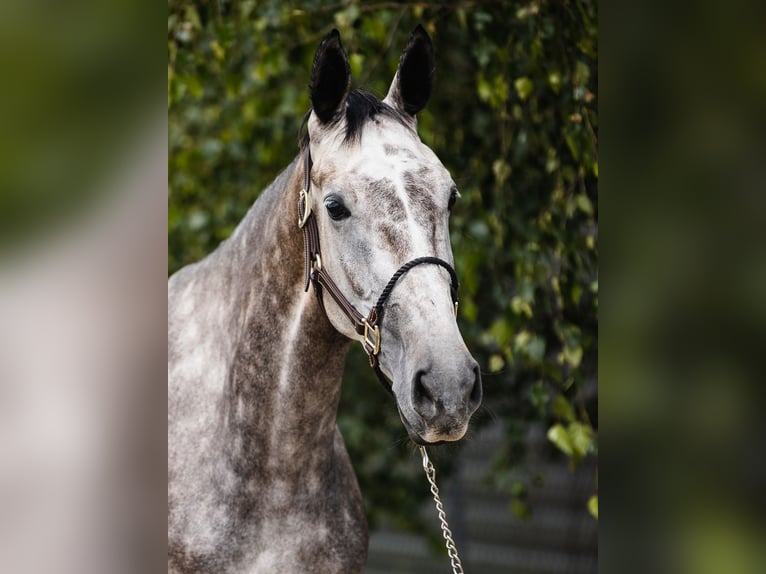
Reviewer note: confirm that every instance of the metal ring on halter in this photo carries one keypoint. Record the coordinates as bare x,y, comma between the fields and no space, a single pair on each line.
303,218
368,342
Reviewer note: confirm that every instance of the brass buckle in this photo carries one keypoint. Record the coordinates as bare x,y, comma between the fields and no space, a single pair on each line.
368,342
302,219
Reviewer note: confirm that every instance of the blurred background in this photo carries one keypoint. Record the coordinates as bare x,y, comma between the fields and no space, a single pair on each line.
514,118
85,148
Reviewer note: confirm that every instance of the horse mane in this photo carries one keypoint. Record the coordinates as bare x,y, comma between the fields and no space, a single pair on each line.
361,107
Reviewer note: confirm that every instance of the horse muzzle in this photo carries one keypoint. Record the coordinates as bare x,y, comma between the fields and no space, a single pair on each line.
440,403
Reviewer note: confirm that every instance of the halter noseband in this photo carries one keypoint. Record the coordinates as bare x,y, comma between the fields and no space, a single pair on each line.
368,327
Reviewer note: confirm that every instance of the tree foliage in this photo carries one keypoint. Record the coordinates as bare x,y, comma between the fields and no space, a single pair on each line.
514,119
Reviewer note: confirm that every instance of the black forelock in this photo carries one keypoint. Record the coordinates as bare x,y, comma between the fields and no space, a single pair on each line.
361,107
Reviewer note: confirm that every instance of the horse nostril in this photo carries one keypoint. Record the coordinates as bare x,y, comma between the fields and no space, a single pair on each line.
420,392
476,393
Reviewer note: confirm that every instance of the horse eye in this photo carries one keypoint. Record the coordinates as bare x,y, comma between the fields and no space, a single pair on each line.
336,209
453,198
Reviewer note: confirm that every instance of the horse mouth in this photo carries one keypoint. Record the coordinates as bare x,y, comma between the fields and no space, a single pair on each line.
417,437
421,435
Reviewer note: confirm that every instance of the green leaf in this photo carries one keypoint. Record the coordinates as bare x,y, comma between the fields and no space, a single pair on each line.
576,294
523,87
217,50
581,74
520,307
484,89
496,364
539,397
593,506
502,170
356,62
536,349
584,203
562,409
501,332
581,438
575,441
554,81
559,436
573,355
520,509
499,91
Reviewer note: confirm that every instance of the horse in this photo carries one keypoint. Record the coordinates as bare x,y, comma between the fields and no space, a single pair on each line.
259,479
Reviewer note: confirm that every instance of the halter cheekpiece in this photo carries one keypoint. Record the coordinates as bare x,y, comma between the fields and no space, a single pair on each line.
368,327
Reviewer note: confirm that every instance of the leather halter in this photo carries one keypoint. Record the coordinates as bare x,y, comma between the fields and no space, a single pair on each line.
366,326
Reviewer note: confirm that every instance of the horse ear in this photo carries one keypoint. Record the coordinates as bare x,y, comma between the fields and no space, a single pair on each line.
330,78
414,79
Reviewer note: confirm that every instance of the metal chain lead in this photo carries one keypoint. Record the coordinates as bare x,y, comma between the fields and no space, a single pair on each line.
457,567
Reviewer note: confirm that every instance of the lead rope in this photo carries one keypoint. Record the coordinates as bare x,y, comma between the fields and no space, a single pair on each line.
428,467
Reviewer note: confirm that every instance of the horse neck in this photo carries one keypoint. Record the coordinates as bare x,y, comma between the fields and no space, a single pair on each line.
284,385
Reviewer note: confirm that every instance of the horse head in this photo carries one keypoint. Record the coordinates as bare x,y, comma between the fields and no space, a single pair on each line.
381,198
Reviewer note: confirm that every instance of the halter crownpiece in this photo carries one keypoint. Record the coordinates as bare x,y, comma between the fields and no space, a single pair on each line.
367,327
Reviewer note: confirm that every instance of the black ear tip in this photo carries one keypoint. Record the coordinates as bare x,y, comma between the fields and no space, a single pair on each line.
332,37
420,32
